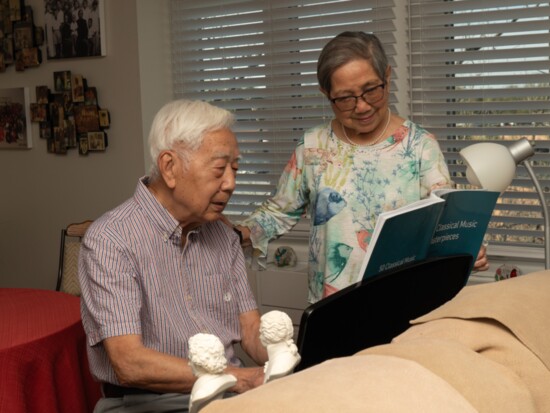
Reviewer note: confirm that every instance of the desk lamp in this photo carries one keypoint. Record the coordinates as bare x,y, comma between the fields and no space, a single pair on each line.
492,166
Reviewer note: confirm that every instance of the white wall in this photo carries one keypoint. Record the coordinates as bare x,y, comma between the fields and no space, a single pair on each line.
40,193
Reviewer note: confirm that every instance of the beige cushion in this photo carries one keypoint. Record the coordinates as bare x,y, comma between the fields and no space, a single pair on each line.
487,350
492,342
521,304
377,384
488,386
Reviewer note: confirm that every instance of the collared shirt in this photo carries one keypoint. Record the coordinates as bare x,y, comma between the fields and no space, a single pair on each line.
137,279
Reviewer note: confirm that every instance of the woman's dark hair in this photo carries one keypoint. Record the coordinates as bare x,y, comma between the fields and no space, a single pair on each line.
346,47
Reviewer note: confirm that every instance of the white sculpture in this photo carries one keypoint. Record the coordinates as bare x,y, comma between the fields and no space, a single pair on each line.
207,360
276,335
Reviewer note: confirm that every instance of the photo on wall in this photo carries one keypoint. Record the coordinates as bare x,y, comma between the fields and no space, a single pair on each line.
15,118
74,28
69,115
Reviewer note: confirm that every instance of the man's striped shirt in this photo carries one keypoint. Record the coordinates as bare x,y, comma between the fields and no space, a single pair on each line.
137,279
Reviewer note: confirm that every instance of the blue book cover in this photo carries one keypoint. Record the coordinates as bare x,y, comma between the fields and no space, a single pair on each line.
463,223
401,236
448,222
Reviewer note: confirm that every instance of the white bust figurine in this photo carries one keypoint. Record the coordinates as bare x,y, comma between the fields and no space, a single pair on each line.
276,335
207,360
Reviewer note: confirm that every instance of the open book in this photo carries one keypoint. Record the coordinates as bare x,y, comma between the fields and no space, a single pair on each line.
448,222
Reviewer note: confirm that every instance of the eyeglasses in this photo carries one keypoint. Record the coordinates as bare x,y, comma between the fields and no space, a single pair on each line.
371,95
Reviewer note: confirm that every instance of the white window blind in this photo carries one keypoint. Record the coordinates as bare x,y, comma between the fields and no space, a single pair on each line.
258,59
480,72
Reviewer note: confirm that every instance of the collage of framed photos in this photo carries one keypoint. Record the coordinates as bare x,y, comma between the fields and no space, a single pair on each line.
20,39
70,117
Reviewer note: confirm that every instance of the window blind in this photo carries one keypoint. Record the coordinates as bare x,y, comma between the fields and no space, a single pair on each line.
480,72
258,59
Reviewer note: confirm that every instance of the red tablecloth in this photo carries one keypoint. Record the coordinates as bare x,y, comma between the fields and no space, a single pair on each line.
43,362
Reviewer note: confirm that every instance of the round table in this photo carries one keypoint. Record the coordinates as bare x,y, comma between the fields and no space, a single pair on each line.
43,361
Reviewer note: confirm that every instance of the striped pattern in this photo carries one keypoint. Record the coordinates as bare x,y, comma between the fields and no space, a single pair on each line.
137,279
69,281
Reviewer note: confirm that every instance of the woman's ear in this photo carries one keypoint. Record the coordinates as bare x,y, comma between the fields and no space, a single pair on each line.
167,163
388,74
324,92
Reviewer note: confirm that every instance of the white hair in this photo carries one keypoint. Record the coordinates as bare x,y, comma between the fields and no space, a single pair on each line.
206,354
275,327
184,122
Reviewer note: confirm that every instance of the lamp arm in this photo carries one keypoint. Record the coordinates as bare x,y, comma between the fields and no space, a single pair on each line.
544,214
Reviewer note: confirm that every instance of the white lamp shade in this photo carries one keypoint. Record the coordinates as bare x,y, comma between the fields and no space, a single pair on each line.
489,165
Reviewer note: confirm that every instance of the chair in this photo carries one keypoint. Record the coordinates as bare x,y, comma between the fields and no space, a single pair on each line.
67,276
374,311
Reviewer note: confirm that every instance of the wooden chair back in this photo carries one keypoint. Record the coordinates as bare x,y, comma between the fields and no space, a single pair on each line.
67,276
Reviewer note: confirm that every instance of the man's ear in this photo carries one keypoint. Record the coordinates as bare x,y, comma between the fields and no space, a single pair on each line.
167,163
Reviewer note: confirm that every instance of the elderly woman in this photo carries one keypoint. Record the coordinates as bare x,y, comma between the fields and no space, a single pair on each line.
345,172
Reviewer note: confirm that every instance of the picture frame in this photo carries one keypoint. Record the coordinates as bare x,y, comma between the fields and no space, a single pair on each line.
83,145
87,39
15,9
42,94
96,141
23,35
7,50
62,81
69,117
15,118
39,112
20,38
77,84
45,130
104,118
86,119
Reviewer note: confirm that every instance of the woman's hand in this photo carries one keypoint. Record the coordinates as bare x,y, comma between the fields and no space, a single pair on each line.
226,221
244,231
482,262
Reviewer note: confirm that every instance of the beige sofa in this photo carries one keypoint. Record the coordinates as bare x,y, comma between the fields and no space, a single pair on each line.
487,350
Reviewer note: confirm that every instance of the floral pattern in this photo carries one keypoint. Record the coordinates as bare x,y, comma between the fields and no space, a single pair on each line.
344,188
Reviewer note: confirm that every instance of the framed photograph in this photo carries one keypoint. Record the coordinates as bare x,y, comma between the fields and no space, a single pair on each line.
60,140
77,83
83,145
70,132
74,29
90,96
45,130
96,141
57,115
39,112
15,118
23,35
42,94
104,119
31,56
62,81
15,9
7,47
86,118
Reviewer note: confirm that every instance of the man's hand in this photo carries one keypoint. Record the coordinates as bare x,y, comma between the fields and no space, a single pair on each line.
248,378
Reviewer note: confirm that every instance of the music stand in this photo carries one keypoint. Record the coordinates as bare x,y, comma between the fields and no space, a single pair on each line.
374,311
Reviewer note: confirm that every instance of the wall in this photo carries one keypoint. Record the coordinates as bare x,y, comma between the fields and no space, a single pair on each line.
41,192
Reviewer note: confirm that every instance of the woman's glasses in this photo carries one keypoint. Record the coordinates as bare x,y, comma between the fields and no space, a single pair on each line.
371,96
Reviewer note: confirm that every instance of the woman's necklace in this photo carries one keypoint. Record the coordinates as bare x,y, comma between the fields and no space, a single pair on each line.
378,138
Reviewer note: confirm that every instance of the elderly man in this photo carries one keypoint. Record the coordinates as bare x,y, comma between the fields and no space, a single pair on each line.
162,267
